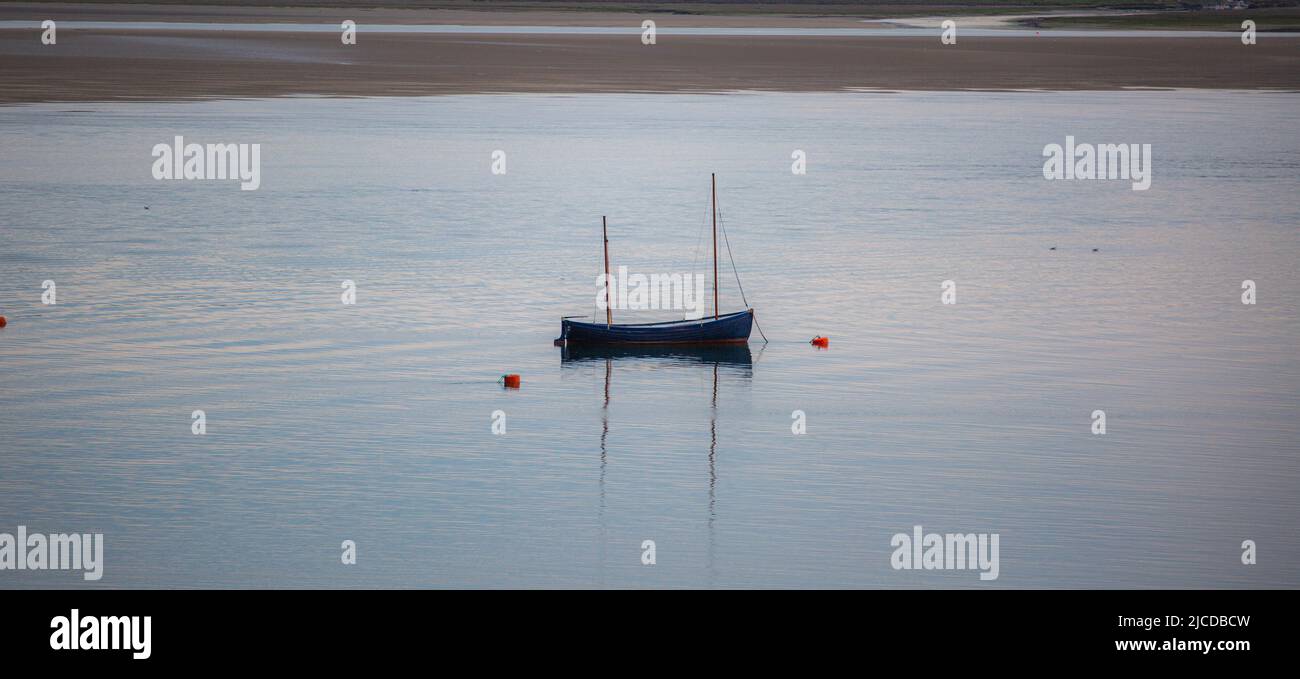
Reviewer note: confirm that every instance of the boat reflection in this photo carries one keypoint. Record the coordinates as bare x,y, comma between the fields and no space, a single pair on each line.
729,359
730,356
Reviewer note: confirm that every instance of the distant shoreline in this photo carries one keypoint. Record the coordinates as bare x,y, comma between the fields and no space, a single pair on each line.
170,65
1161,14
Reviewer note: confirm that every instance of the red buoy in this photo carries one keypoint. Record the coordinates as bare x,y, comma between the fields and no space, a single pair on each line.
511,381
820,341
3,322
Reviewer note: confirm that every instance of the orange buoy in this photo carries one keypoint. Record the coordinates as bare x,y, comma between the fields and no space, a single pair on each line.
512,381
820,341
3,322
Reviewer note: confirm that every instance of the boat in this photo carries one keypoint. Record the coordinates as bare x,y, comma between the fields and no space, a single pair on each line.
729,328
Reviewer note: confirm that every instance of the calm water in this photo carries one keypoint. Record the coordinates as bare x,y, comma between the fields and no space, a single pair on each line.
372,422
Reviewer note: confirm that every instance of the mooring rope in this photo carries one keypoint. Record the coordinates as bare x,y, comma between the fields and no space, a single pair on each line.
736,272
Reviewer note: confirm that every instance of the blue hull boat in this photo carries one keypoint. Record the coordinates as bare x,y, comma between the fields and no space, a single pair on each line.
731,328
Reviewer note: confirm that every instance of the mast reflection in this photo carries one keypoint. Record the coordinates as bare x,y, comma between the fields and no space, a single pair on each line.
727,358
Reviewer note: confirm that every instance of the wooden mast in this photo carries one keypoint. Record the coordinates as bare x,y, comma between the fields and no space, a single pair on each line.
714,179
609,312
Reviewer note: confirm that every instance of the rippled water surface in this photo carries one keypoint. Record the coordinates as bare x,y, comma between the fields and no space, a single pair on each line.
372,422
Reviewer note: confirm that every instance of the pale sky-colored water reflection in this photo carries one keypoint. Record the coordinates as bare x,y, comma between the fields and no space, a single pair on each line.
372,422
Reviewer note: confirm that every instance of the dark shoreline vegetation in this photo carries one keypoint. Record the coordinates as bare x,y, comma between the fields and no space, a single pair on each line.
1270,15
1166,10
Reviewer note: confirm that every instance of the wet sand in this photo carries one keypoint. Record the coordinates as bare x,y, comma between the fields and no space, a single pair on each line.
95,64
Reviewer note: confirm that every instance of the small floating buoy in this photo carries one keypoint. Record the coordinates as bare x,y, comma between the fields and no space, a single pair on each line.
820,341
3,322
1052,248
511,381
1096,250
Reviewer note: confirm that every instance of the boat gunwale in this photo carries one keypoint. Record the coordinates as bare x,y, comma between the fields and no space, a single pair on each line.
742,340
